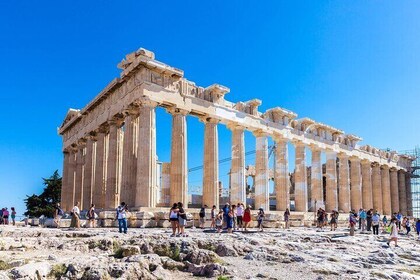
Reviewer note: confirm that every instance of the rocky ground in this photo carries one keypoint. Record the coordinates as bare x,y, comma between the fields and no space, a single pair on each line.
297,253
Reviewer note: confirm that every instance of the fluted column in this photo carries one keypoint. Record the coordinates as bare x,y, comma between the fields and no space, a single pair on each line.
317,192
395,201
111,195
64,197
367,185
179,171
344,184
386,190
376,187
211,163
331,176
301,185
356,183
237,172
129,164
88,174
281,175
409,194
146,186
72,177
98,192
78,186
262,199
402,194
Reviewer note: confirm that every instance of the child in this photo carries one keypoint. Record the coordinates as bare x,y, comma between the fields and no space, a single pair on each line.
394,232
260,218
219,221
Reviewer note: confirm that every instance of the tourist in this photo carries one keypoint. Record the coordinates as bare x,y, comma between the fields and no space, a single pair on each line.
375,223
1,216
394,232
91,216
399,218
362,218
13,215
384,222
173,218
286,216
230,220
407,226
75,216
239,214
418,228
182,220
58,214
333,221
234,221
352,221
260,218
369,215
225,209
213,217
202,215
219,221
6,216
247,217
122,217
320,218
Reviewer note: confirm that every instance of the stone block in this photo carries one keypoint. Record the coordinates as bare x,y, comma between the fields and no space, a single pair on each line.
163,223
143,215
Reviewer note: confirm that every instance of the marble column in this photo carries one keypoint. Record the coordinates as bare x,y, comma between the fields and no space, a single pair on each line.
409,194
301,185
65,187
262,192
367,185
281,175
72,177
211,163
344,184
129,164
88,174
146,185
331,176
395,201
317,192
179,170
98,192
356,183
386,190
111,194
376,187
237,173
402,194
78,186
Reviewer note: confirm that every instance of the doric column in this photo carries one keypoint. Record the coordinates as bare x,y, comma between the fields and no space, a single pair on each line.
402,194
386,190
331,178
98,192
376,187
237,172
78,186
111,195
146,186
367,185
301,185
317,192
71,177
281,175
179,171
262,199
129,160
64,197
211,163
344,184
88,180
395,201
356,183
409,194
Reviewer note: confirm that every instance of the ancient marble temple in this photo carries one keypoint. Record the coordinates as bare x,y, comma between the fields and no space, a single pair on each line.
109,149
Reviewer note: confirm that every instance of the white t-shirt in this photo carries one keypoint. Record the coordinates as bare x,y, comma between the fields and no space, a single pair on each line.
240,211
76,210
121,213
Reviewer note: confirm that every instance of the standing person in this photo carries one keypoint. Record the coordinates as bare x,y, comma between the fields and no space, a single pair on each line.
230,220
360,220
394,232
375,223
91,216
247,217
122,218
369,215
234,221
75,216
363,216
213,217
13,215
239,215
58,214
352,222
202,215
6,216
173,218
219,221
286,218
399,218
260,218
384,222
333,221
182,220
225,209
418,228
407,226
320,218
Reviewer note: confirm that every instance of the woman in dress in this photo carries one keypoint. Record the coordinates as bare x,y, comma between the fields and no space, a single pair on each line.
75,216
13,215
394,232
247,217
173,218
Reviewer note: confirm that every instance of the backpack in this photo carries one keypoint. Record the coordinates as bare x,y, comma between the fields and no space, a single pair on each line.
60,212
202,213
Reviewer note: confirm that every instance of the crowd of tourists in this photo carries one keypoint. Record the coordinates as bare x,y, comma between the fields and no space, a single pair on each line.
7,217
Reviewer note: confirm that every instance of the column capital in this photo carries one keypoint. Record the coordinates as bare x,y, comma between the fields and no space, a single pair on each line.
298,143
354,159
279,139
315,148
402,171
116,120
393,169
131,110
81,143
177,111
92,136
385,167
259,133
366,162
235,126
375,164
342,156
207,119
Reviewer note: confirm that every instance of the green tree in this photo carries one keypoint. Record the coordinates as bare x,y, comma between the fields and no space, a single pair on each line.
43,204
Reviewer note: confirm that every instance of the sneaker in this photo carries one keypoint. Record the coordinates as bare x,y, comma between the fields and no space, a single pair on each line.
387,243
172,235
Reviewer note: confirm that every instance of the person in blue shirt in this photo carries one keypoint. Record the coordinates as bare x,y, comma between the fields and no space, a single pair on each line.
399,218
362,217
418,228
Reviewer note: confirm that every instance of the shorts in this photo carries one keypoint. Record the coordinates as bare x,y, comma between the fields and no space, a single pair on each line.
182,222
201,220
173,219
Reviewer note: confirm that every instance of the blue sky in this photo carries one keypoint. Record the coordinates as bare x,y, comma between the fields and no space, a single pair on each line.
353,65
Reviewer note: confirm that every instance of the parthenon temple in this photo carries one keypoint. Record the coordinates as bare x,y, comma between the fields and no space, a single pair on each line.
110,156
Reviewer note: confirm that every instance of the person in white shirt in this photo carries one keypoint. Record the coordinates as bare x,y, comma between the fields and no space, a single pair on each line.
239,214
75,216
122,217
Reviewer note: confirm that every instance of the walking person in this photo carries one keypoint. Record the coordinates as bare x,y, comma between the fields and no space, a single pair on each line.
75,216
418,228
58,214
234,221
407,226
352,222
260,218
333,221
399,219
6,216
384,222
173,218
122,218
91,216
182,220
369,215
13,215
202,215
286,216
394,232
247,217
226,210
213,217
219,221
229,220
375,223
362,218
239,215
